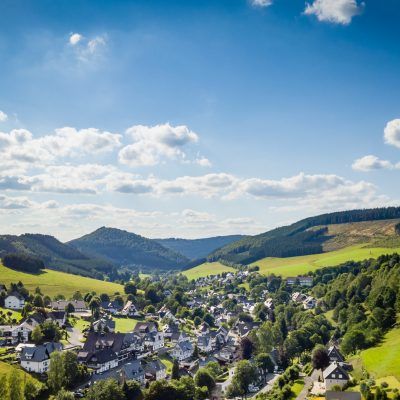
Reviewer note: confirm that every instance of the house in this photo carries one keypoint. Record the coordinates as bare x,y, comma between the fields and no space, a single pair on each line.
105,350
170,330
300,280
58,317
60,305
129,309
112,307
14,301
335,355
342,396
142,328
244,328
204,343
154,340
37,358
182,350
155,370
309,303
298,297
12,335
104,325
335,375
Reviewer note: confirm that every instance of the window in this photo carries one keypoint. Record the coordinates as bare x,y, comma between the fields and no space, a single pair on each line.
340,376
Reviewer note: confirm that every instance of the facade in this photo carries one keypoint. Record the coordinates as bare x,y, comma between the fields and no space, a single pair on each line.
182,350
37,358
14,301
60,305
335,375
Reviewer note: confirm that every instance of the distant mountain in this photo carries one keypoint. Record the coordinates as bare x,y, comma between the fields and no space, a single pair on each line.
198,248
53,253
123,248
309,236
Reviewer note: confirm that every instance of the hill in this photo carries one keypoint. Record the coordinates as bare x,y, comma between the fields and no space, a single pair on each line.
301,265
198,248
123,248
309,236
207,269
53,253
52,282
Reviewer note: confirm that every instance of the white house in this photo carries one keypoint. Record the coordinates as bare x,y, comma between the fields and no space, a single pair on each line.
37,358
182,350
335,375
204,343
14,301
156,369
12,335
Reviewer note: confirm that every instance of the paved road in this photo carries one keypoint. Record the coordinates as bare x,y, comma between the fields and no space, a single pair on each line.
74,337
271,378
308,383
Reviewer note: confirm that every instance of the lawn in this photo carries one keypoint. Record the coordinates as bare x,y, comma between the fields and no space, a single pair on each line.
14,314
7,368
52,282
293,266
125,325
297,388
382,361
167,362
206,269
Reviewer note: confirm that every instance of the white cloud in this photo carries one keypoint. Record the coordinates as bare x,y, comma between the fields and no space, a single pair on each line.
335,11
153,144
371,163
392,133
203,162
3,116
15,203
261,3
75,38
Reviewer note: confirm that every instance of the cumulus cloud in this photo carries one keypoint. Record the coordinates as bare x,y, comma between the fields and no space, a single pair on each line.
334,11
203,162
153,144
75,38
19,145
371,163
261,3
392,133
3,116
15,203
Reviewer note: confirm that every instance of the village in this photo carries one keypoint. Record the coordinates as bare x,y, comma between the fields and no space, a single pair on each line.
213,329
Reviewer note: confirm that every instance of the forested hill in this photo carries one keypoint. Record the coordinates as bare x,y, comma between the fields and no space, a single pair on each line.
198,248
53,253
298,238
123,248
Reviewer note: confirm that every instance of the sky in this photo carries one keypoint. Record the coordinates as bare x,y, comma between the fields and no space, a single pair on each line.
194,118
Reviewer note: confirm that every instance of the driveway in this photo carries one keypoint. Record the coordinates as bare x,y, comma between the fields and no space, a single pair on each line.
308,384
271,378
74,337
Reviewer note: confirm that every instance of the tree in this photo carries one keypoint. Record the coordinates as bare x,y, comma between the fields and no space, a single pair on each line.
77,295
130,288
245,374
63,395
204,378
132,390
161,390
15,384
51,331
209,319
69,308
107,389
175,369
264,362
37,335
31,391
71,368
320,358
195,354
352,341
214,369
246,348
56,372
94,305
38,301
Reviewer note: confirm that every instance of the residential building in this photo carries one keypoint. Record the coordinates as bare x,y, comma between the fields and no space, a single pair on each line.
37,358
335,375
14,301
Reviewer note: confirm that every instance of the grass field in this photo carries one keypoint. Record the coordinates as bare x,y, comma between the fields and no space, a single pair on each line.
206,269
293,266
7,368
297,388
167,362
52,283
382,361
124,325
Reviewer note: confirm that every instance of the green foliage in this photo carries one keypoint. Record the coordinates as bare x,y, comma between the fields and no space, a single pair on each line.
107,389
23,262
204,378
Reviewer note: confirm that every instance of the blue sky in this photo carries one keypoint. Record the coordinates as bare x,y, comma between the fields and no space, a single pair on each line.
194,118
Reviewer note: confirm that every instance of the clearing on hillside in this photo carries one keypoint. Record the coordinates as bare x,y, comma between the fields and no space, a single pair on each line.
293,266
52,282
206,269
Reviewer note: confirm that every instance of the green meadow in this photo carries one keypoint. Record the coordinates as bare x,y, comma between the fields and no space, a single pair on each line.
207,269
293,266
52,282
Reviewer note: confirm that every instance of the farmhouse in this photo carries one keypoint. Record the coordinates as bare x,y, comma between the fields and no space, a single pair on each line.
37,358
14,301
335,375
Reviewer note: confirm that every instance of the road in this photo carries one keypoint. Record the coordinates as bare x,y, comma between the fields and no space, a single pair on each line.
74,337
308,383
271,378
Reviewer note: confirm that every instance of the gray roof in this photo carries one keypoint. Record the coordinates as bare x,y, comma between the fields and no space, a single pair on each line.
40,353
337,369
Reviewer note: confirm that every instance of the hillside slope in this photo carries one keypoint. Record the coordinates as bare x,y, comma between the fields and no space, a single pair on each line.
308,236
53,253
198,248
123,248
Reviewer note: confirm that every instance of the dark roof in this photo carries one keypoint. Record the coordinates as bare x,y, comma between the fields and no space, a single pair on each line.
39,353
154,366
335,368
17,295
342,396
334,354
